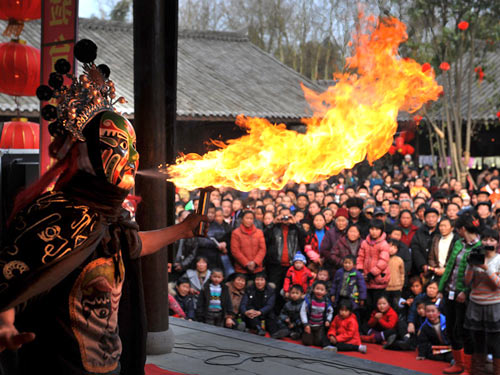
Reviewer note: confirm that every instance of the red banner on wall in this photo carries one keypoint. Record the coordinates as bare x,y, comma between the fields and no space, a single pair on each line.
59,33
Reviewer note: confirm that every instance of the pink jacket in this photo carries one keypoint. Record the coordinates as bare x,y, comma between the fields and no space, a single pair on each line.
373,258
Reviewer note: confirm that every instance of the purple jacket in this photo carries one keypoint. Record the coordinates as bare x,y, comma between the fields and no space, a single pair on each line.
326,251
356,287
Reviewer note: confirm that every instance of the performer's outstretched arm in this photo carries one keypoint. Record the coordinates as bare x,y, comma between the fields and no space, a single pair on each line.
154,240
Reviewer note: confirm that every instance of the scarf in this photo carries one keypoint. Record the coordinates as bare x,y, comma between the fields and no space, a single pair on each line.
246,230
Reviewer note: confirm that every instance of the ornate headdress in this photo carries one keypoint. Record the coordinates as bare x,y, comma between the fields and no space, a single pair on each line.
92,92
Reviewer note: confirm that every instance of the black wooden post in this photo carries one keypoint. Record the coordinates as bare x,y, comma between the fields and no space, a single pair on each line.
155,85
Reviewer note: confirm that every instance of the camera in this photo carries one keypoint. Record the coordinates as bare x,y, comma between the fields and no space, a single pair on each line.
476,256
285,218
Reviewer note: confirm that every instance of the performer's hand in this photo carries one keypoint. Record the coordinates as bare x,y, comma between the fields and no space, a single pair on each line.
11,339
190,223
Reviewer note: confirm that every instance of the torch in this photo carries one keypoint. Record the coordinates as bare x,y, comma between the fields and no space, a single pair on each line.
203,204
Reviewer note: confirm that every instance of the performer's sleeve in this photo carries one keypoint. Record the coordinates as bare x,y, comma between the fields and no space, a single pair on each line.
45,242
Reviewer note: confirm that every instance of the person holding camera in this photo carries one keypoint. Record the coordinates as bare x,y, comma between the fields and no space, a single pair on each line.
283,239
452,284
483,311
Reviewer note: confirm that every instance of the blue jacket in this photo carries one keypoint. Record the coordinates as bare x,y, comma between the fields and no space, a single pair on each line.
356,286
427,337
422,297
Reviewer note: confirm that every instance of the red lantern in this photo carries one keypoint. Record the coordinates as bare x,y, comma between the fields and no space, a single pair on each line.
20,133
20,69
399,141
17,12
392,150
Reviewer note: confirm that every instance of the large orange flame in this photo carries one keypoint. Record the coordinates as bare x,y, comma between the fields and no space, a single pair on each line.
353,120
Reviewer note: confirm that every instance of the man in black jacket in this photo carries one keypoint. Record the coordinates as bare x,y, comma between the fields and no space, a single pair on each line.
257,305
283,239
421,243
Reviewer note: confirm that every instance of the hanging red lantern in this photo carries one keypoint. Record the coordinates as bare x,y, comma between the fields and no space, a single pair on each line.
399,142
20,133
20,69
392,150
17,12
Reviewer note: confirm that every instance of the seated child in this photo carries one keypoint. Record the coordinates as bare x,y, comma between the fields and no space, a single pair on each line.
404,340
316,314
344,330
183,298
397,275
382,322
348,284
257,306
236,287
289,322
297,274
432,341
214,303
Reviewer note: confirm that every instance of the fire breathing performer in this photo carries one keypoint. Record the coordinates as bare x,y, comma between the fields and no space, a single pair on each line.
71,296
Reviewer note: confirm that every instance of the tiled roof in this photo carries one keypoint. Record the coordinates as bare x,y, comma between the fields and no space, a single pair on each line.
220,74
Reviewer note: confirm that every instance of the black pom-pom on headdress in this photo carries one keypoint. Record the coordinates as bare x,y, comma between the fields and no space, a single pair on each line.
85,51
104,69
56,80
56,129
44,92
49,112
62,66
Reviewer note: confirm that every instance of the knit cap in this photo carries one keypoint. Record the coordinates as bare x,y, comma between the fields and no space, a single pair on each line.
299,257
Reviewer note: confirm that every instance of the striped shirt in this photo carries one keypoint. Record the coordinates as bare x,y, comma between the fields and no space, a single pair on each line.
315,312
485,284
215,302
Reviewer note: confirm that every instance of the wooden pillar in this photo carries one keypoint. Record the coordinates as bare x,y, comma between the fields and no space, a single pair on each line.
155,86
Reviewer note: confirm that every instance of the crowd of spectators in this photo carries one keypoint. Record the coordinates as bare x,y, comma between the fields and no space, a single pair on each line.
396,258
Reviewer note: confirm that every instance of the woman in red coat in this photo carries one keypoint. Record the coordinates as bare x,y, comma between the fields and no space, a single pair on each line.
248,246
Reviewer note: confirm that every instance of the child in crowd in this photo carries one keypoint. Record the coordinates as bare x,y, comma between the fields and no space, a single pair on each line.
382,322
373,261
404,340
431,294
344,330
289,322
416,288
183,298
316,314
432,341
297,274
324,275
257,306
348,284
214,303
236,287
397,279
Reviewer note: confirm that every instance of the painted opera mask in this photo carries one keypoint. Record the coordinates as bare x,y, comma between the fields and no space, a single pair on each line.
120,158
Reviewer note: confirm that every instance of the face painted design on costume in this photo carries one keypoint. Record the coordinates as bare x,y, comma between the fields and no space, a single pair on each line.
120,158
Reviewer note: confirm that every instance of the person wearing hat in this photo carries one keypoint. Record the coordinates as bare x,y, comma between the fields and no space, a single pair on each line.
71,296
355,207
326,249
482,196
483,210
421,242
298,274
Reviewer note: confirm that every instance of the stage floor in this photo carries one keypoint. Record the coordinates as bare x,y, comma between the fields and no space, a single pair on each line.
197,343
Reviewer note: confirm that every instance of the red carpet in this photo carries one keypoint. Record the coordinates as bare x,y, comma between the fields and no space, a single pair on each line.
155,370
406,360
